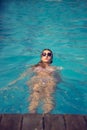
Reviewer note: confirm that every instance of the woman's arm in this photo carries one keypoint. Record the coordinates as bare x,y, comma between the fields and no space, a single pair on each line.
57,73
59,68
21,76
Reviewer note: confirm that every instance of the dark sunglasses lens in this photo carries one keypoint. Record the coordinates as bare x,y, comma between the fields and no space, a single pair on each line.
49,54
43,54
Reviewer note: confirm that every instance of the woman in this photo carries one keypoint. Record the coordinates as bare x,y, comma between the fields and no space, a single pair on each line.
43,83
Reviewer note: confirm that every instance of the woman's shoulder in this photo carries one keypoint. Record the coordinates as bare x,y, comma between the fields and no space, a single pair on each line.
36,68
57,67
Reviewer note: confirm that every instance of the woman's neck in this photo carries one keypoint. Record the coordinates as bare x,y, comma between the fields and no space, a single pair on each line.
46,64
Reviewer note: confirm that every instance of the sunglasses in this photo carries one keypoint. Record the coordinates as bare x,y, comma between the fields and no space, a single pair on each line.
47,54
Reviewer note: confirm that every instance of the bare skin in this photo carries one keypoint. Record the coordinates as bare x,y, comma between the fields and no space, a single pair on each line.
42,90
43,86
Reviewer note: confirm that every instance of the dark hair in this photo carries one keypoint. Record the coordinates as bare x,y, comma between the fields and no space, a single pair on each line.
40,63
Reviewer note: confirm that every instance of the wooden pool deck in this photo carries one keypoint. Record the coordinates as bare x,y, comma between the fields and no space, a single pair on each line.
40,122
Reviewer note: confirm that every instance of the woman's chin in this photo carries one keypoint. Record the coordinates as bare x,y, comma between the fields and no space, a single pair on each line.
46,61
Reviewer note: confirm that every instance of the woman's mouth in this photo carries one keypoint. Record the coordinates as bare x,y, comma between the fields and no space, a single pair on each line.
46,58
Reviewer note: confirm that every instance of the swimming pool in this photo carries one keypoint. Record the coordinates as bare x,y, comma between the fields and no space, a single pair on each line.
27,27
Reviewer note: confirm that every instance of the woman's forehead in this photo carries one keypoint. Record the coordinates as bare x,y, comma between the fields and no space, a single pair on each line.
46,51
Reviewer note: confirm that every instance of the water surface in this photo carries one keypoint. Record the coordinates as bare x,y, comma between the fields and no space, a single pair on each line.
27,27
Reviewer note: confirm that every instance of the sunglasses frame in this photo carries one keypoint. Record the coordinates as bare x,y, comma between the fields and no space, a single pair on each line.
47,54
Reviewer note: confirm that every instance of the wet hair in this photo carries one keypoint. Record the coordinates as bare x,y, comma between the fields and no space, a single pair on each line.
41,63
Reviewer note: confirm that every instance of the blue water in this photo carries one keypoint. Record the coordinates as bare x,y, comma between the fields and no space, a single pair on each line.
27,27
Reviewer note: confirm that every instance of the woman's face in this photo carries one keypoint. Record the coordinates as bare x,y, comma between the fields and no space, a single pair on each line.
46,56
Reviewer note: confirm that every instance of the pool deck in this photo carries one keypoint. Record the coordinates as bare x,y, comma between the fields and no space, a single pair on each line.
43,122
